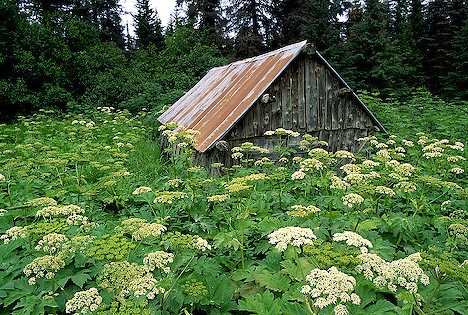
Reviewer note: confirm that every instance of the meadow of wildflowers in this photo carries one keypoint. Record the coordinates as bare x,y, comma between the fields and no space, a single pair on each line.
94,219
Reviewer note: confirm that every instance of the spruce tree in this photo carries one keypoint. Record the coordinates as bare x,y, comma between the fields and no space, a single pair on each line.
251,21
148,27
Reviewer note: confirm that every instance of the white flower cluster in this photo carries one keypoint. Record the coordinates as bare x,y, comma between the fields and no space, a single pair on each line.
338,183
141,229
327,287
218,198
291,235
14,233
169,197
42,201
51,243
352,199
407,143
351,168
148,230
406,186
404,272
84,302
2,177
311,164
141,190
318,152
282,132
384,154
355,178
383,190
353,239
455,158
45,266
145,285
298,175
344,154
303,211
124,278
457,170
370,163
158,260
58,211
77,219
201,244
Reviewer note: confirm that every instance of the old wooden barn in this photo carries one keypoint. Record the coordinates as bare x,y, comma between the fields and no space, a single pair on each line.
293,88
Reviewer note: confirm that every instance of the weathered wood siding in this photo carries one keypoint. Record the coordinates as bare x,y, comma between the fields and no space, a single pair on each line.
309,99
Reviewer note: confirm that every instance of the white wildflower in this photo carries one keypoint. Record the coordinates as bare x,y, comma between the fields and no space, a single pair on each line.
14,233
51,243
344,154
158,260
291,235
141,190
352,239
328,287
457,170
352,199
84,302
298,175
338,183
383,190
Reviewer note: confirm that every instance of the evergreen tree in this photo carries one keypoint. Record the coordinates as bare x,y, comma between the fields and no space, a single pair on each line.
457,79
373,60
148,27
436,44
323,27
207,15
251,21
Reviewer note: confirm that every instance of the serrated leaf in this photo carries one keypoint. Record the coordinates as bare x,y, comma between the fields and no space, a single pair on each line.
382,307
261,304
274,282
296,271
369,224
80,278
293,309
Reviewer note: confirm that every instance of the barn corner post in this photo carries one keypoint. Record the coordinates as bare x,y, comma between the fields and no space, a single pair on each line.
293,88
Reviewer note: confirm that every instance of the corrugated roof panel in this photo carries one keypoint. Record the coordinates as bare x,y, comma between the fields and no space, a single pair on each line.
225,94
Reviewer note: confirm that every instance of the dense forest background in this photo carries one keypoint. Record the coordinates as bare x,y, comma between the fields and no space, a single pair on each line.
76,54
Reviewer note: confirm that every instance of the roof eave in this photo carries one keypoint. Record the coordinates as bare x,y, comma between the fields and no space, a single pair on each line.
356,98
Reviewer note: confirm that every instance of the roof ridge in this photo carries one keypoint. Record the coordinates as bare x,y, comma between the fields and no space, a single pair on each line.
265,55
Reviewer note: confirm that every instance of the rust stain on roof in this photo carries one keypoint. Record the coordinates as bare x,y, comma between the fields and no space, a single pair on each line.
226,93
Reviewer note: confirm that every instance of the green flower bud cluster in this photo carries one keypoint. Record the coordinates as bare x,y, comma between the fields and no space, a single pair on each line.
328,257
111,247
444,264
129,308
39,229
194,288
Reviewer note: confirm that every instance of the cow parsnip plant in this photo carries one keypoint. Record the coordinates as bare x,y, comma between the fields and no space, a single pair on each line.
95,220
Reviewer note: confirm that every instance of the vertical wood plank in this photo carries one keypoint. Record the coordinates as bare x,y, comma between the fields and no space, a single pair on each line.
295,96
322,99
286,99
333,101
301,94
314,99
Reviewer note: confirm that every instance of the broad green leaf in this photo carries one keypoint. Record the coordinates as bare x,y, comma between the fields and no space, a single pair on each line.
274,282
80,278
262,304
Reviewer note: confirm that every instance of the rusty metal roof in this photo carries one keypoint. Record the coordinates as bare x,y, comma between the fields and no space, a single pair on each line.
226,93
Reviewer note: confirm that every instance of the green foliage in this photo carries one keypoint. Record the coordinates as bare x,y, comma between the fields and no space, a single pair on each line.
420,112
143,235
